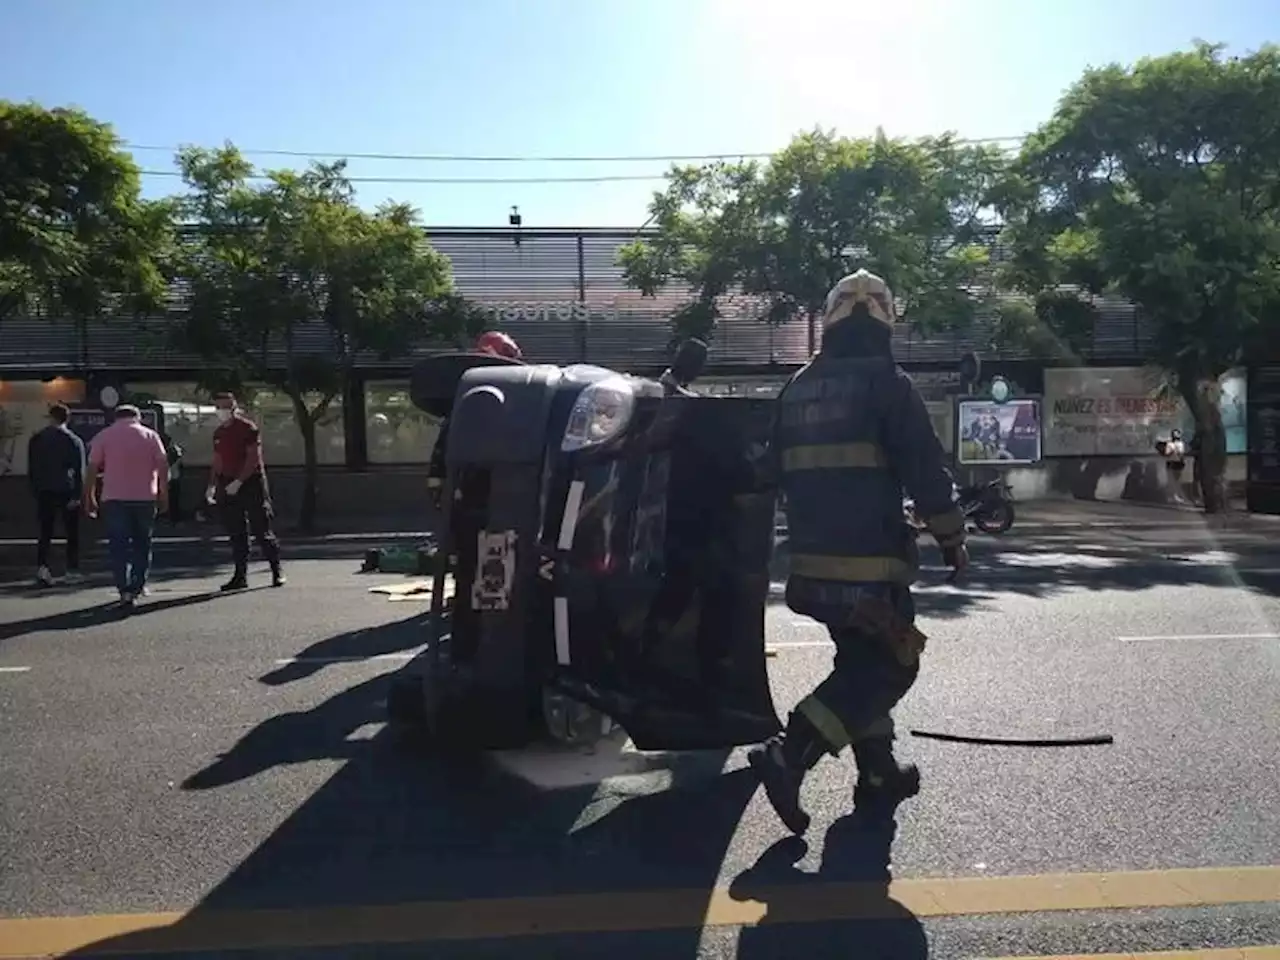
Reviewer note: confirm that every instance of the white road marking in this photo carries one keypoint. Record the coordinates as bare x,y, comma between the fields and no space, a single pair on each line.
377,656
14,669
1203,636
796,644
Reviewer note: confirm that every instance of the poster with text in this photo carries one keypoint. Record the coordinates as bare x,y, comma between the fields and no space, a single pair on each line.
1124,411
998,434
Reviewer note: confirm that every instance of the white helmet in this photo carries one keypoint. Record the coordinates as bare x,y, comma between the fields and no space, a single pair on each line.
861,287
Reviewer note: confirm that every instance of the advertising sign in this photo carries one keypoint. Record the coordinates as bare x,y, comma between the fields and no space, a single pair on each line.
998,434
1123,411
1262,489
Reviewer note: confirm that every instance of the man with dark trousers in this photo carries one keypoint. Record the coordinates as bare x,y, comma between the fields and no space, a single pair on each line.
851,433
238,484
55,470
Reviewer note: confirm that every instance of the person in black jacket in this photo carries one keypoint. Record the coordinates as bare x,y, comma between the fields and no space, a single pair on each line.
55,470
851,433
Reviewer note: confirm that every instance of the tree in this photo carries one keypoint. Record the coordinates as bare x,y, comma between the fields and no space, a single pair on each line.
786,231
1161,183
269,266
75,239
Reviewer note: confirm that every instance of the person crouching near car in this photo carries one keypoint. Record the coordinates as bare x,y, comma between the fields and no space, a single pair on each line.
238,485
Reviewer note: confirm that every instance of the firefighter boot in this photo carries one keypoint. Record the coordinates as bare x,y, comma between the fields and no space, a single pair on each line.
883,783
781,763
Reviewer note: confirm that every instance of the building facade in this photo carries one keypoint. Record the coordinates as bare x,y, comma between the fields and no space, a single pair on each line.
560,293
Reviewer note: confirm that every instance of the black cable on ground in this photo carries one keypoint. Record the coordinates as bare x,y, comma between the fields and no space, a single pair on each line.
1094,741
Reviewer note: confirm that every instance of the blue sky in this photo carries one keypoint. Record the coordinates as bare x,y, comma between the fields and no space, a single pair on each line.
570,78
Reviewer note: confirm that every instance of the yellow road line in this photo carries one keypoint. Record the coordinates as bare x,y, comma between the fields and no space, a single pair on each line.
1228,953
630,912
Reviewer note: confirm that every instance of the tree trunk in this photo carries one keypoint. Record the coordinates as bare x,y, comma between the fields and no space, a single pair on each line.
307,426
1202,398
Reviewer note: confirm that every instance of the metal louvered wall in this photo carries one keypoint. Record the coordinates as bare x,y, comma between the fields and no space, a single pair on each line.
560,293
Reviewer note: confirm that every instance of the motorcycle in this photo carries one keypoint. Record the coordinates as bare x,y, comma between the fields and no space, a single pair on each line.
988,506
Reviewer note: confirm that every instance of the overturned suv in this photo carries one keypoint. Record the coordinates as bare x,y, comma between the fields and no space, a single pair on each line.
604,559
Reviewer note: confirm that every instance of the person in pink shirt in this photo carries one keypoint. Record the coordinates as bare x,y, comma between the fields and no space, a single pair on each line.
130,457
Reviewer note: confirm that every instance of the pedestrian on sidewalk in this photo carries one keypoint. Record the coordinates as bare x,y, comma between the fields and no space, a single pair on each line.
131,459
1175,459
55,469
238,484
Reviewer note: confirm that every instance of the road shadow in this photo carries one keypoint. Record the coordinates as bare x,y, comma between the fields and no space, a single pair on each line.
399,824
104,612
852,884
186,559
1023,567
364,643
1081,559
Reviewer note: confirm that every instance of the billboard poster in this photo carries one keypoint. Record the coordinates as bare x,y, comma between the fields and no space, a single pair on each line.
1233,402
998,434
1263,491
1123,411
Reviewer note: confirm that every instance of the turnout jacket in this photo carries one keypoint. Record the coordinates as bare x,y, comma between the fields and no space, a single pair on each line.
850,434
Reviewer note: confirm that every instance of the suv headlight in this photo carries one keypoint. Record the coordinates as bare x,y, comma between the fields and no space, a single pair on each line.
601,412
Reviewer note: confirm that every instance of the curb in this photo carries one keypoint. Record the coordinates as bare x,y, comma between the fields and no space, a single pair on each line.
335,539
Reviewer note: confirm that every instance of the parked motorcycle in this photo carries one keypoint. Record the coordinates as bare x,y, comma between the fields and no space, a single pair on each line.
988,506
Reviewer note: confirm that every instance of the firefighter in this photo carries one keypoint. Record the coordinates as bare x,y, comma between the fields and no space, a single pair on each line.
492,342
851,432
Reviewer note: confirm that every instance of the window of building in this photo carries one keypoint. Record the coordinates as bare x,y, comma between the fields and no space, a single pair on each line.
189,419
398,432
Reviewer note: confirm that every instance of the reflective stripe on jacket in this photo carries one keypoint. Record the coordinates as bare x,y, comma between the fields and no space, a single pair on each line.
850,435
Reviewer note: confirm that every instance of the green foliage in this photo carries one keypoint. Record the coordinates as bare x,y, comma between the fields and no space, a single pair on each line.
267,261
75,239
1159,183
911,211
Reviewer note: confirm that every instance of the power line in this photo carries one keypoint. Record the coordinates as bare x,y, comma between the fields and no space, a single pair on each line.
468,158
617,178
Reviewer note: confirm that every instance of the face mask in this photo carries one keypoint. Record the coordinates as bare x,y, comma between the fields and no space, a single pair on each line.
223,415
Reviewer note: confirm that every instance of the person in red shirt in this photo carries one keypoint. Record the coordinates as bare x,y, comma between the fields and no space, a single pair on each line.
238,484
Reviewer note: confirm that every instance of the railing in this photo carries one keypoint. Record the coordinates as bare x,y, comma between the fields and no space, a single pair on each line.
560,293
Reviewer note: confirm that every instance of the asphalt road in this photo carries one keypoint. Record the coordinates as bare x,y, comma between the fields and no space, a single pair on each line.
214,754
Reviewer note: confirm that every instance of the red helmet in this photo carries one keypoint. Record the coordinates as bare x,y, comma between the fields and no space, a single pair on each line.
498,344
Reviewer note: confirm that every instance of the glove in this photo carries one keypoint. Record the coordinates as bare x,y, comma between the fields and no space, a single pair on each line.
234,487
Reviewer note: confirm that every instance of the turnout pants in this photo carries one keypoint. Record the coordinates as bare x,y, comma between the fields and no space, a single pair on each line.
246,512
867,680
49,508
